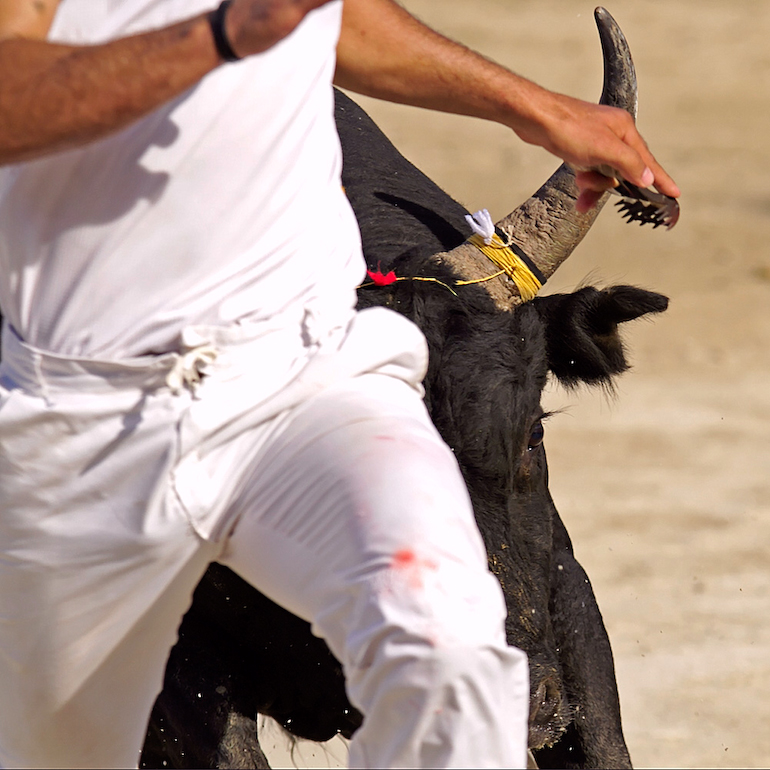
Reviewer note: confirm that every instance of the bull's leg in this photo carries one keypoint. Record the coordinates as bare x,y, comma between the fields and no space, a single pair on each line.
236,745
189,730
239,654
239,748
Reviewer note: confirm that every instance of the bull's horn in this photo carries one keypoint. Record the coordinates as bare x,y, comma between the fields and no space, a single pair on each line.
547,227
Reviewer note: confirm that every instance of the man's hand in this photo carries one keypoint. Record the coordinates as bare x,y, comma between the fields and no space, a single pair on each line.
588,137
253,26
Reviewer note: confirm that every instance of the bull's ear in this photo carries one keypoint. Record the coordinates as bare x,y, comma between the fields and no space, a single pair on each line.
582,339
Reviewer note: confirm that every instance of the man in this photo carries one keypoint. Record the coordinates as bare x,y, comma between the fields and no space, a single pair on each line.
184,377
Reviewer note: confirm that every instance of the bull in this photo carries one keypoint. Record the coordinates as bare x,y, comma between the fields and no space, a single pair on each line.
240,655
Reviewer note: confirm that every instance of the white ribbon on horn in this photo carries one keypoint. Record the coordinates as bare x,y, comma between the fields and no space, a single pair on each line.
482,225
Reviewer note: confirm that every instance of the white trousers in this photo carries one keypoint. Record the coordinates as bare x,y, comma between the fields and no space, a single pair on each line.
335,497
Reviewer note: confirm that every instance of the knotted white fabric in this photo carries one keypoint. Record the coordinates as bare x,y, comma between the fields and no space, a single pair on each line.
190,368
482,225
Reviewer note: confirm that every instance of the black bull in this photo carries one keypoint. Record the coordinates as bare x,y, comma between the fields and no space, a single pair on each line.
239,654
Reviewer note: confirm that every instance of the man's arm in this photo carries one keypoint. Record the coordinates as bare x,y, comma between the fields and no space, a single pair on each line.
30,18
386,53
55,97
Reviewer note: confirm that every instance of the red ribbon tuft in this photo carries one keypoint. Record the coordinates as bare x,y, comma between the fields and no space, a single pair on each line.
379,279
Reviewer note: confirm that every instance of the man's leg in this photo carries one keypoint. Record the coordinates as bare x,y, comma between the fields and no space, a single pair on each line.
357,519
97,566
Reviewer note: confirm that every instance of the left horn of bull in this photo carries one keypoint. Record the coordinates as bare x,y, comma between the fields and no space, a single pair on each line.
547,228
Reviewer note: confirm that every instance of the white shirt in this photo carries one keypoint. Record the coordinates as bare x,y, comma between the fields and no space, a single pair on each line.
222,205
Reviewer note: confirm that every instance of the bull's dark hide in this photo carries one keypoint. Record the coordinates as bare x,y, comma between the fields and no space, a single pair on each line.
239,654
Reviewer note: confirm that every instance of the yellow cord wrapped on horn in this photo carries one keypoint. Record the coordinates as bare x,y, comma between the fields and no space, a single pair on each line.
510,260
488,239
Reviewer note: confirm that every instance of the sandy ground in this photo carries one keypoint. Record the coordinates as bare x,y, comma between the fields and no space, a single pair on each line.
666,488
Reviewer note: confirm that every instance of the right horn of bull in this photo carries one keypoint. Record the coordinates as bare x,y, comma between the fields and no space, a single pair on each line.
547,227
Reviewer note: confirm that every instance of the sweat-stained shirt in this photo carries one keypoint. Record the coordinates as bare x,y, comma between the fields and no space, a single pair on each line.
222,206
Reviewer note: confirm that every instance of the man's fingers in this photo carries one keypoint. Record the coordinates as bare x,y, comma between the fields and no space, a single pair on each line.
594,180
591,186
587,200
640,169
652,173
662,181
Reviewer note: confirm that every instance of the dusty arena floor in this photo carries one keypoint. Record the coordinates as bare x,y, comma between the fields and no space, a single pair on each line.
665,488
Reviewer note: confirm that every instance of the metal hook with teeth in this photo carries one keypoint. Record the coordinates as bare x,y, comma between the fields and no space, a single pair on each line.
643,205
646,206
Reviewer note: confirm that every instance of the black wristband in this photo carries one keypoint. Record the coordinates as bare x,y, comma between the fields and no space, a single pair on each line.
217,24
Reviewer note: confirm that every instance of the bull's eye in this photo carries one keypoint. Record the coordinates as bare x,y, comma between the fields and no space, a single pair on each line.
536,436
